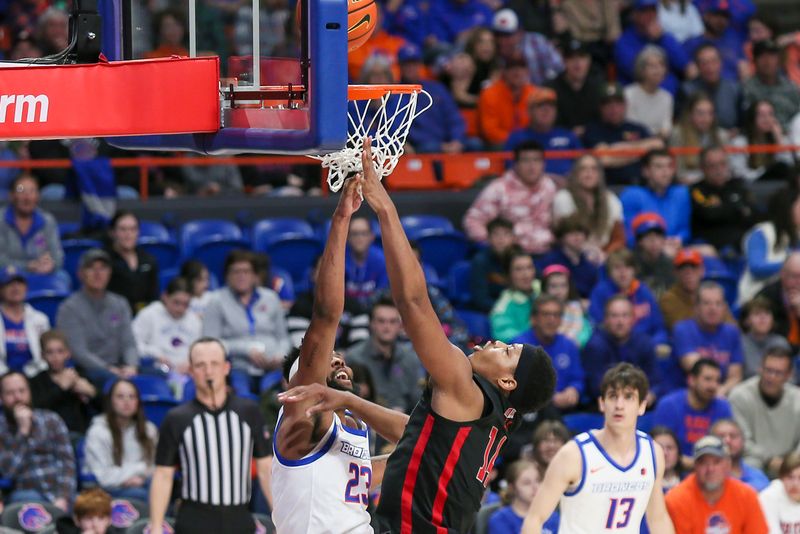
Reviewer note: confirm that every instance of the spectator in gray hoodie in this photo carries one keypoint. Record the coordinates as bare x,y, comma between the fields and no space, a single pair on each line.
28,235
249,320
97,323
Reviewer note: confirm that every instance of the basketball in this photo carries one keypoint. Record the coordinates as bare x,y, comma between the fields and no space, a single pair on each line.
362,18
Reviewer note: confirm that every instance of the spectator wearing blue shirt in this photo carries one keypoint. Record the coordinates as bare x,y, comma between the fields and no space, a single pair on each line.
21,326
660,195
364,265
571,234
691,412
615,342
621,269
523,479
449,19
545,320
646,30
441,127
707,335
613,131
740,12
729,431
410,20
542,111
719,33
543,60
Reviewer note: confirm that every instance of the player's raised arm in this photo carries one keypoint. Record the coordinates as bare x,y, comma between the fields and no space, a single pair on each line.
657,515
446,364
315,352
564,471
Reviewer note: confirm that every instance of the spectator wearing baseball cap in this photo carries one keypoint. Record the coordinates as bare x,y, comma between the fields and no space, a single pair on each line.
97,323
542,112
441,128
578,88
710,499
770,84
678,302
740,12
646,30
503,104
20,327
719,33
653,265
544,61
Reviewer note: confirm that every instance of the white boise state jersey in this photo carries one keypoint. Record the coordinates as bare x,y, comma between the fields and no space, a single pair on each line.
609,497
326,491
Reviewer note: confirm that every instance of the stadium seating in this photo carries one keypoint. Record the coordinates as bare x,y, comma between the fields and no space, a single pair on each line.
156,239
270,380
290,243
442,248
66,228
210,241
477,323
47,302
58,281
583,421
165,275
85,477
30,517
125,512
414,224
458,284
152,387
482,519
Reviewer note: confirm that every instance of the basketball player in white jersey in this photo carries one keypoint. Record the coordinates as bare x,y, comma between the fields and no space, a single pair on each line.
322,473
606,480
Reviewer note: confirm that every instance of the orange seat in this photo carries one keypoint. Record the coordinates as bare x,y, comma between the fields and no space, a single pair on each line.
413,173
461,172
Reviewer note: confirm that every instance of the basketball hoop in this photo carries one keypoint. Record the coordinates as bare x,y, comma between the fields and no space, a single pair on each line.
382,112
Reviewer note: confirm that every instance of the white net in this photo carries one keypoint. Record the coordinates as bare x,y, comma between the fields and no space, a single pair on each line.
387,120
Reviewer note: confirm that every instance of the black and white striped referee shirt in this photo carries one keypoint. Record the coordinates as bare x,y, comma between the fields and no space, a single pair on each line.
214,448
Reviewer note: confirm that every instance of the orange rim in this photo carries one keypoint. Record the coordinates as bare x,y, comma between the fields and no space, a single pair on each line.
369,92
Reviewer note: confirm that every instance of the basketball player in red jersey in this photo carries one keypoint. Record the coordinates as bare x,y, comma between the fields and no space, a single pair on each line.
436,477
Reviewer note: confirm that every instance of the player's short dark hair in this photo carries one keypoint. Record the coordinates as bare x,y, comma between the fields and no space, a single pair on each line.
700,364
536,389
650,155
543,300
625,375
499,222
527,146
573,223
288,361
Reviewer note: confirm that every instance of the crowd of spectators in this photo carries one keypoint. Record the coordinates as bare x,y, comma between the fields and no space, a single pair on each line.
603,258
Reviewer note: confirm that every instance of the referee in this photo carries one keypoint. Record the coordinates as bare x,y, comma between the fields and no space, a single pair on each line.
215,438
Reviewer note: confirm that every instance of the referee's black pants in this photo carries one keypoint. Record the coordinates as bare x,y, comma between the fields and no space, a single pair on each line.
198,518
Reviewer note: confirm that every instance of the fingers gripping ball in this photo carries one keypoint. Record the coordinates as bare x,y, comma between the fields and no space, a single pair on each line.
362,19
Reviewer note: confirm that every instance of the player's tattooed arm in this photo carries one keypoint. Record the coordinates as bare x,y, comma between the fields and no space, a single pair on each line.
390,424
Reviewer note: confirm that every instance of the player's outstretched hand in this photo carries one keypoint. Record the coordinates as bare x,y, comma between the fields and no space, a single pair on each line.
322,398
350,199
371,187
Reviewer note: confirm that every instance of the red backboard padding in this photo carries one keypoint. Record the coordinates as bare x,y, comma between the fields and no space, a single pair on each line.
157,96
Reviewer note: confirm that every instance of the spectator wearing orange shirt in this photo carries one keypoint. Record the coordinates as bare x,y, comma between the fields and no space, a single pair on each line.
710,500
503,105
171,35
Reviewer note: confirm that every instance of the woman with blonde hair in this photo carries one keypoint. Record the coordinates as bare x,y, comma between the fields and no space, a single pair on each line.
697,127
598,207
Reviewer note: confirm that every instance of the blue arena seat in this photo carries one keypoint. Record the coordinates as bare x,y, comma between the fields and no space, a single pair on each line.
645,422
293,253
270,380
164,277
458,286
442,248
414,224
156,410
477,323
47,302
66,228
201,231
153,387
265,229
58,281
582,421
85,477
